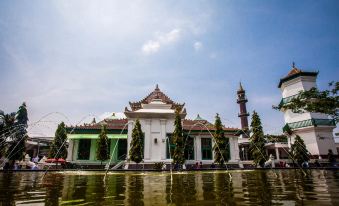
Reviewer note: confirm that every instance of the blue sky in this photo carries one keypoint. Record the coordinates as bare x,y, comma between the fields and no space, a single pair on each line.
89,57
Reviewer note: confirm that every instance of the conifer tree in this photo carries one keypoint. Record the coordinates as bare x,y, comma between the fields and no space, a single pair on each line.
58,143
221,146
299,150
257,141
178,140
102,145
17,145
136,153
7,131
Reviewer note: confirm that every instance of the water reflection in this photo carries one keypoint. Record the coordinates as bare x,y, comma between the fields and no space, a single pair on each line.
285,187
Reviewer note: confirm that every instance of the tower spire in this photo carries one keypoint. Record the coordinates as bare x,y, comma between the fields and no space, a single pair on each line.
240,87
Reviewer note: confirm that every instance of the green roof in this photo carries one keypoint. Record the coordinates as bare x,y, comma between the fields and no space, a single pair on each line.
198,118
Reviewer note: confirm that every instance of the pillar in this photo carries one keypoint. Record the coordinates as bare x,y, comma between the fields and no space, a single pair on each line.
198,156
147,140
70,150
163,138
234,149
277,153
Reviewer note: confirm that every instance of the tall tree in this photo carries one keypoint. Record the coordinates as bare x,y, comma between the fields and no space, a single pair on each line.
16,149
314,100
102,145
136,153
257,141
59,143
178,139
299,150
7,131
221,146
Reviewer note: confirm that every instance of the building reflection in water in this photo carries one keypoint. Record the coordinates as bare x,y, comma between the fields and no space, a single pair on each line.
282,187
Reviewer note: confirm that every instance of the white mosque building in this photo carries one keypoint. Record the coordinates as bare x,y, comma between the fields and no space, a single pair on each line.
156,113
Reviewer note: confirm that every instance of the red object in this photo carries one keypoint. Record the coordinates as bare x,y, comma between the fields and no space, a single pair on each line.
52,160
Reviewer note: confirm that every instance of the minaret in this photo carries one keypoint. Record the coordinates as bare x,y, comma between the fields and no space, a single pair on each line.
242,103
315,129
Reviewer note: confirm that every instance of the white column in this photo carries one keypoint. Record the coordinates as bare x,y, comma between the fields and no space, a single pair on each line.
75,149
148,139
277,153
234,149
129,135
197,149
70,150
162,141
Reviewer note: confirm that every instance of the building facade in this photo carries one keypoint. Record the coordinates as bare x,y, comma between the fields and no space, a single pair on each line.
315,129
156,113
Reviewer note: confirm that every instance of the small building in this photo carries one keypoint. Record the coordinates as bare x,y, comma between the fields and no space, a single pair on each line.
156,113
315,129
38,146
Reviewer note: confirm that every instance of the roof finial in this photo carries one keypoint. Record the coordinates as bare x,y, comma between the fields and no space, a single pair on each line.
240,87
293,64
157,87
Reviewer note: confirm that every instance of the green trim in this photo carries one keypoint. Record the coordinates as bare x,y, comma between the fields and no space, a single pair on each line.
287,100
285,79
310,122
94,131
93,136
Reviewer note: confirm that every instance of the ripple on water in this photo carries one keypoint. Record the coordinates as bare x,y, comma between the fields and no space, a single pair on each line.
247,187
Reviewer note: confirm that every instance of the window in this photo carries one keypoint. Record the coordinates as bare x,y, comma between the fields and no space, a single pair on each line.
122,149
206,148
84,149
189,148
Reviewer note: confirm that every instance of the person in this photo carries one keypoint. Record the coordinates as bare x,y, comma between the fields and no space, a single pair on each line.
212,165
196,165
35,159
305,164
331,158
200,165
317,164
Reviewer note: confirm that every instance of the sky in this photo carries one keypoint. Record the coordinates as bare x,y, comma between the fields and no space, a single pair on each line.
74,60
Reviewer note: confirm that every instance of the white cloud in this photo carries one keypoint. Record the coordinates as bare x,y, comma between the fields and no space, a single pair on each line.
150,47
197,46
153,46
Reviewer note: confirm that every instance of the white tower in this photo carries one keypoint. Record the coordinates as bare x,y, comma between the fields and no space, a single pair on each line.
315,129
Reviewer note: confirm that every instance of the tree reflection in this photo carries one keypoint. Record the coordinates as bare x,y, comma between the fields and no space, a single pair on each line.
53,184
115,189
134,190
182,190
223,188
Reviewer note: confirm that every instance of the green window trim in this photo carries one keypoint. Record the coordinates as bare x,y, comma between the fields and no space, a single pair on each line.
206,149
96,136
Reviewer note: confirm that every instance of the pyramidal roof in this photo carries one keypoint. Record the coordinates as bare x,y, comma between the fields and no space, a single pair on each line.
294,73
156,95
198,118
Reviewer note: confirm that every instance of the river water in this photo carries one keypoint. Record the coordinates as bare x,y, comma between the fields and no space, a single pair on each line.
260,187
